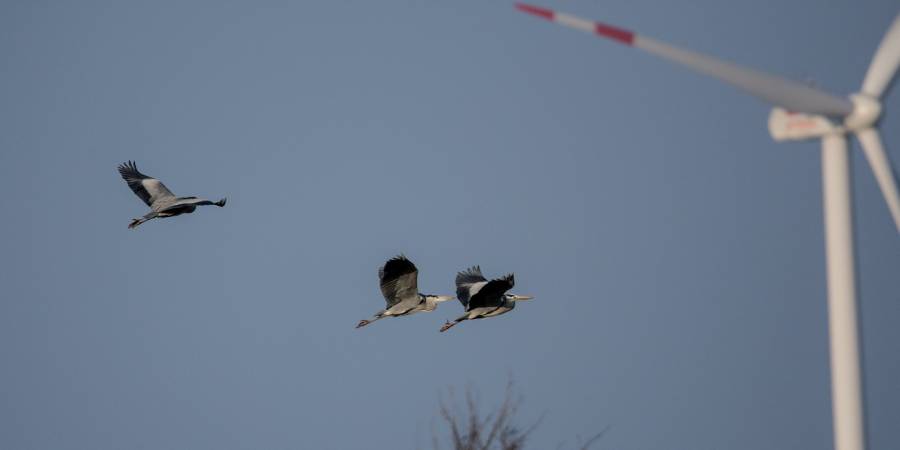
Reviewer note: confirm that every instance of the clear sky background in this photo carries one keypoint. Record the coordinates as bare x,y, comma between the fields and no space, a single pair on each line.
676,251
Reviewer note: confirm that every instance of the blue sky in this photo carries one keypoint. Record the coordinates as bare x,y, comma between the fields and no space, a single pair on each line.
675,251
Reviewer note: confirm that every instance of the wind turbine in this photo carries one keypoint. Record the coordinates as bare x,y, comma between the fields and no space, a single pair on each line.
803,112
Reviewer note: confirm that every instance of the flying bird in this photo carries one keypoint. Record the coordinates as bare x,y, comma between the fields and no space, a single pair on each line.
399,285
162,202
482,298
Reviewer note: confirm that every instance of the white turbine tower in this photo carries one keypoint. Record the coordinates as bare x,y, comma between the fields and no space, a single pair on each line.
803,112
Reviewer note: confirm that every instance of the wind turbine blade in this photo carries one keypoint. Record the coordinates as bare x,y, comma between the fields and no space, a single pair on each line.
884,63
881,167
788,94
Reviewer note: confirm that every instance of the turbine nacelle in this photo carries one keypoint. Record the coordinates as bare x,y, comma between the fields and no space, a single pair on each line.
786,125
793,126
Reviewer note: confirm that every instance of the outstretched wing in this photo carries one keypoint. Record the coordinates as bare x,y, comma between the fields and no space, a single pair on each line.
491,294
468,282
149,189
399,280
194,201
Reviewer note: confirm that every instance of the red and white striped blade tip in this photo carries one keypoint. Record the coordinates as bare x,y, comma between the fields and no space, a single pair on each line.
600,29
535,10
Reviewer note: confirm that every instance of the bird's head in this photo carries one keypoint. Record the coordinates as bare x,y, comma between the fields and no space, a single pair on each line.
439,298
516,298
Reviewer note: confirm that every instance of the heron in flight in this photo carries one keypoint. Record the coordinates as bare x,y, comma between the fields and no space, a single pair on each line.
482,298
162,202
399,285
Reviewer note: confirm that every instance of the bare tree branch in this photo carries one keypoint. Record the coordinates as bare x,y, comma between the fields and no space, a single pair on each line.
595,438
469,430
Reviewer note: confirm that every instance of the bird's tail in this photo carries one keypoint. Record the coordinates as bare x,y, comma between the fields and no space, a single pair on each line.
450,324
220,203
135,222
365,322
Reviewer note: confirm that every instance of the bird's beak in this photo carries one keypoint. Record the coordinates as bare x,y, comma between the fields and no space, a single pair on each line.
444,298
522,297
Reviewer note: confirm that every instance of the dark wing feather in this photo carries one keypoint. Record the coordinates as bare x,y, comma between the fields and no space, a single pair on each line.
464,280
491,294
133,177
399,280
149,189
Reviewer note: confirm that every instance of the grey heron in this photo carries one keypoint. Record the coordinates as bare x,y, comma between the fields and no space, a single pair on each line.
162,202
482,298
399,285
